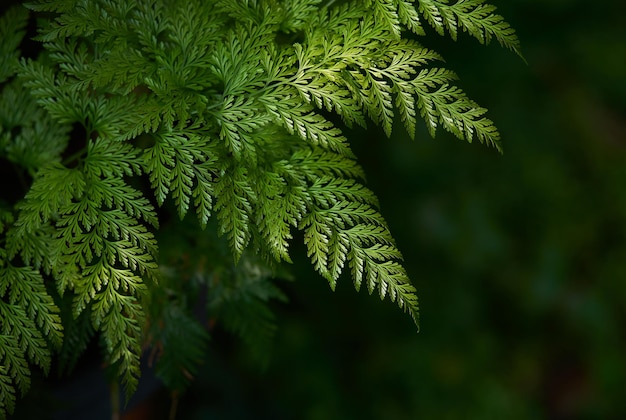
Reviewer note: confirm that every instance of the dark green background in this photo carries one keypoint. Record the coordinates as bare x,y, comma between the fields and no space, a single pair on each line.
519,260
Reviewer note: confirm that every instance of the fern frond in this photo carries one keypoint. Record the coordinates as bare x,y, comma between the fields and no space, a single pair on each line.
332,97
7,389
442,103
475,17
6,220
386,13
280,207
53,188
342,225
239,300
14,372
395,15
26,289
12,25
300,119
327,190
63,100
314,163
58,6
123,69
410,17
109,160
33,139
182,165
29,328
234,204
97,220
104,20
239,119
114,193
297,13
28,343
116,238
120,318
180,342
73,56
148,117
203,191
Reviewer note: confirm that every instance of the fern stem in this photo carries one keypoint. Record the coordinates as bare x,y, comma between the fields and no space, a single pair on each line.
73,157
115,400
174,405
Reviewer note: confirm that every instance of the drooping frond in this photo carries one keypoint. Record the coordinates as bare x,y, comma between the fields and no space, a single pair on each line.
240,301
12,25
343,227
476,17
180,342
29,326
296,14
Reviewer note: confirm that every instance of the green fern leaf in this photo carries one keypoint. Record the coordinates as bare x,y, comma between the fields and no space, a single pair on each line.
104,159
28,291
234,203
29,326
12,25
54,188
386,13
300,119
180,164
7,389
315,163
239,300
441,103
180,343
32,139
280,206
204,190
239,118
14,372
28,342
120,318
410,17
474,16
343,225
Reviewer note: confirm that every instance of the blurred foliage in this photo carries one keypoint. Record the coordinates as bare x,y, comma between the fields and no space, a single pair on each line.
519,260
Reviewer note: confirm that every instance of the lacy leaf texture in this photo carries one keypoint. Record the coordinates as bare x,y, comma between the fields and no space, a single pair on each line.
221,110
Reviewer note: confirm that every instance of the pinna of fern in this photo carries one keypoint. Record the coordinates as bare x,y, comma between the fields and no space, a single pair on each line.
218,108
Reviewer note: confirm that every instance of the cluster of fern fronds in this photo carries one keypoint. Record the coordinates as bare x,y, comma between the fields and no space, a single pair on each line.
218,108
